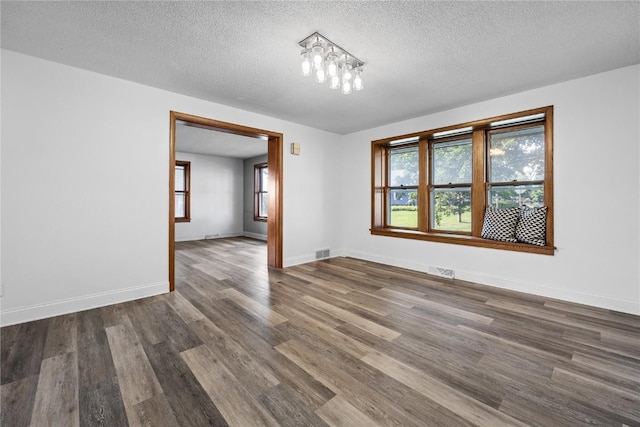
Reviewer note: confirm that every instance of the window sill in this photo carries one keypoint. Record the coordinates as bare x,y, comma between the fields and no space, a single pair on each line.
183,219
458,239
260,219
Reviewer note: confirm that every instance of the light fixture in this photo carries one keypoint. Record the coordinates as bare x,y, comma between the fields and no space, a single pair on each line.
317,54
334,82
347,85
306,62
357,81
332,63
329,62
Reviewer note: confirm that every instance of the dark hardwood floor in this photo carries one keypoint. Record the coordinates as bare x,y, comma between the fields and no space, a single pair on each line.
339,342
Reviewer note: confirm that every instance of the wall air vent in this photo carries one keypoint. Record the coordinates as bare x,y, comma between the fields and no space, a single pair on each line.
323,253
448,273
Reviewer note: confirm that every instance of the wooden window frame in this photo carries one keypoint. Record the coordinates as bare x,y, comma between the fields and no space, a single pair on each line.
257,186
478,131
390,188
429,146
186,192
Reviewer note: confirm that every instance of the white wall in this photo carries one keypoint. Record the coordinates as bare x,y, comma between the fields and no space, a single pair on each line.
216,197
84,176
85,187
251,227
596,191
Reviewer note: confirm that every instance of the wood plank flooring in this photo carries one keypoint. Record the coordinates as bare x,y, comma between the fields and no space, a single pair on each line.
339,342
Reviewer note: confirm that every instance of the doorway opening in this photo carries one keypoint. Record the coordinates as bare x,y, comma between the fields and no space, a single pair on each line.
274,193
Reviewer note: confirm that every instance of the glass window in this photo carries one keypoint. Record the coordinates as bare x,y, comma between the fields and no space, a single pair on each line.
180,205
516,167
508,196
436,185
516,155
182,194
403,209
403,167
402,194
261,195
451,209
450,189
452,162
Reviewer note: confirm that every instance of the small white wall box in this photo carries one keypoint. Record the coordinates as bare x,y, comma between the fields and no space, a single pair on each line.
295,148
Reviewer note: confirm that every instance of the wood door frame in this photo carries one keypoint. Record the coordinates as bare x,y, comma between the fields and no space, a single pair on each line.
275,162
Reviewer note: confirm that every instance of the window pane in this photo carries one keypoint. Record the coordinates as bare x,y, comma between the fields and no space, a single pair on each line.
517,155
403,166
507,196
263,206
264,177
180,213
180,178
451,209
403,209
452,162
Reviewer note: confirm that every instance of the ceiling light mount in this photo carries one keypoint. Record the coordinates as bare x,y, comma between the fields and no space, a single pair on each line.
329,62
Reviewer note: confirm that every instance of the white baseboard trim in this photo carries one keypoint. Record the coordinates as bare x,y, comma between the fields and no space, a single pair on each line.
219,236
86,302
255,235
303,259
548,291
297,260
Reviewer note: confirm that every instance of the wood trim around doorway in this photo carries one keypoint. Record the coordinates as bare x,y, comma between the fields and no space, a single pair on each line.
275,162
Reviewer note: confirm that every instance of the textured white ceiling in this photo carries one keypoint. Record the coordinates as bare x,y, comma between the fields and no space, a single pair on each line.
421,57
198,140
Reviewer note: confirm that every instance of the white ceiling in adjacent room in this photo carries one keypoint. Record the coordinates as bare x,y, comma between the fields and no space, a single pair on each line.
200,140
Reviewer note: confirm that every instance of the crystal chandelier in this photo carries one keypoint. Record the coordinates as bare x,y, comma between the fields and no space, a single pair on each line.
328,62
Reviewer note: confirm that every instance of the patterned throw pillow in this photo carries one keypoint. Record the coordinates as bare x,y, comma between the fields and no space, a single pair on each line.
532,226
500,224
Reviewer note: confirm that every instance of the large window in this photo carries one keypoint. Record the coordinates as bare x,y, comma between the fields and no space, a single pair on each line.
182,194
436,185
516,167
261,197
403,187
450,184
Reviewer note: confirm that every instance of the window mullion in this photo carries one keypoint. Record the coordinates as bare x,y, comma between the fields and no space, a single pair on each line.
548,175
478,189
423,195
384,197
428,189
379,185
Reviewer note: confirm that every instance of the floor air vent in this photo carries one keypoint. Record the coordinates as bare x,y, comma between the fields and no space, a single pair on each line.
442,272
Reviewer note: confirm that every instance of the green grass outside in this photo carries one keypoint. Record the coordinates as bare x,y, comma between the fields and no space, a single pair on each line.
404,218
448,223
